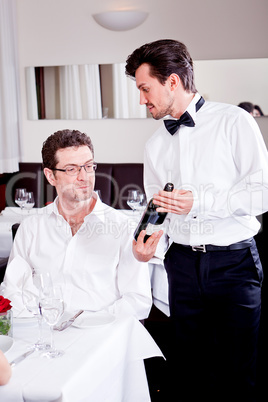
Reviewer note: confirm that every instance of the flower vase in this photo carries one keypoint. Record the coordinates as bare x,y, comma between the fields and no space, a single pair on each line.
6,323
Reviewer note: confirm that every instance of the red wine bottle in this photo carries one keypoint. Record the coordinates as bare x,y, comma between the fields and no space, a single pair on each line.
151,217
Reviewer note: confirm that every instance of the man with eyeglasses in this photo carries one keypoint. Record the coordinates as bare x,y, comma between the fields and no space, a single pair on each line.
82,242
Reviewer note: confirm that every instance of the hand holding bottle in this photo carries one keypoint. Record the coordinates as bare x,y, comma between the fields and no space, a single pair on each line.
144,251
147,233
178,202
152,218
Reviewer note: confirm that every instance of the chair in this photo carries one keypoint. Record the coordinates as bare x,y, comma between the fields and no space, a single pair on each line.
3,265
14,229
104,181
4,261
127,176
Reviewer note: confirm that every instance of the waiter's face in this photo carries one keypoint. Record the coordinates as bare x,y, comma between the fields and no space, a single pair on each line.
158,98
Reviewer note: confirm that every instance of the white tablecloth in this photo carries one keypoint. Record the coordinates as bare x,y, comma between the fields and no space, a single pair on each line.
101,364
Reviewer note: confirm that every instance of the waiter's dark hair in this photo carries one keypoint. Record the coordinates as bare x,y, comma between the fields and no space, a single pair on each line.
63,139
165,56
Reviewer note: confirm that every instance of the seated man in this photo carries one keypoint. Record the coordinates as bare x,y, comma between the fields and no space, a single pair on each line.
82,242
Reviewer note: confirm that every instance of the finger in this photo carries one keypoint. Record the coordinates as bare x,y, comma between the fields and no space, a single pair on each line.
164,204
154,238
163,196
141,237
174,210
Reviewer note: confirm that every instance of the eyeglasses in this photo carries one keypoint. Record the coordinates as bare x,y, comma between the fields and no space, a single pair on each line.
74,170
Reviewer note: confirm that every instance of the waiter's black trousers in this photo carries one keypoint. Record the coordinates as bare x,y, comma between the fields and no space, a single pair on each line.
215,302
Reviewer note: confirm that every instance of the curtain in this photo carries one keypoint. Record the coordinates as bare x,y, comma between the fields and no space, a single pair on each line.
70,100
10,125
31,94
125,95
80,93
90,91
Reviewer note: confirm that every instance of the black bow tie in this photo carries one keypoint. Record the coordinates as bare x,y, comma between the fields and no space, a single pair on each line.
173,125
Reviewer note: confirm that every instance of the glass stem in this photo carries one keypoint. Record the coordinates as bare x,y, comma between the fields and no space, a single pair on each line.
52,338
39,318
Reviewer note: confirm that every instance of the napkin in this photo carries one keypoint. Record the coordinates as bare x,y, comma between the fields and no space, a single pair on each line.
93,318
17,272
11,211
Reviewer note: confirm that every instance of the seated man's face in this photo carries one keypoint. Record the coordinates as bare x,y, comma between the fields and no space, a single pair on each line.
78,187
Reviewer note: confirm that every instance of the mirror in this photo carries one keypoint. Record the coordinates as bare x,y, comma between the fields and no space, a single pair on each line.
103,91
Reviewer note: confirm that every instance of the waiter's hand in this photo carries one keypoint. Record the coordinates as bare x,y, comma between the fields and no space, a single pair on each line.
177,202
145,251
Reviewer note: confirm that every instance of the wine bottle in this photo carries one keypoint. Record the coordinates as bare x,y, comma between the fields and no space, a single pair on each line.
151,217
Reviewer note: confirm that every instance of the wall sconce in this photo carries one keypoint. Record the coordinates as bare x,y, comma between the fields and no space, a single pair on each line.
122,20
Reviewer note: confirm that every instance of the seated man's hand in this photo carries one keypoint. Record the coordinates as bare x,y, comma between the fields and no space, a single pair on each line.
145,251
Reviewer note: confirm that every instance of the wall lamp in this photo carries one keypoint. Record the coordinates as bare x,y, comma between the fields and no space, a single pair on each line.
121,20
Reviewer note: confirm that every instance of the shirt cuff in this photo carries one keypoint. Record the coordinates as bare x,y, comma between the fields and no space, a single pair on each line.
203,202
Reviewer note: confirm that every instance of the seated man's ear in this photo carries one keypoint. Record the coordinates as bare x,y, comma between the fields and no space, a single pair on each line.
50,176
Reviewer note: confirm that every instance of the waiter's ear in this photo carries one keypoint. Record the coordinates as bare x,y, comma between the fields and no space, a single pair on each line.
174,81
50,176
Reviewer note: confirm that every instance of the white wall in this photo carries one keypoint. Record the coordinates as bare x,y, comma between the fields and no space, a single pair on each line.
233,81
63,32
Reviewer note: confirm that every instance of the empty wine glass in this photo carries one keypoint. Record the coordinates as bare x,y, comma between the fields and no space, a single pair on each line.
142,202
21,197
29,201
133,199
52,307
30,299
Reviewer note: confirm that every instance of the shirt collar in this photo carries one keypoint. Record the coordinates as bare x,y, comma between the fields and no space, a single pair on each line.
52,208
98,210
190,108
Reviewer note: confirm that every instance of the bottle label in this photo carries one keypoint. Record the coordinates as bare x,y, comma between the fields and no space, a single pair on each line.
153,228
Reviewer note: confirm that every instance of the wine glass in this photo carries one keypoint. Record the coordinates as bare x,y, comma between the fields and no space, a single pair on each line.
133,199
29,201
142,202
30,299
52,307
20,197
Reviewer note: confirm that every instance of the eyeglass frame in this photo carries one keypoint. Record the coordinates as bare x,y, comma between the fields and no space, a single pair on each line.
93,165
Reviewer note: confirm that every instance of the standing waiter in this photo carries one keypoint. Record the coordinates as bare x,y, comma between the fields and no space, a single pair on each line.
215,155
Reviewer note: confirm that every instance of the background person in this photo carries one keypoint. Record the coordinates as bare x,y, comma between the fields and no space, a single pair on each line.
248,106
257,112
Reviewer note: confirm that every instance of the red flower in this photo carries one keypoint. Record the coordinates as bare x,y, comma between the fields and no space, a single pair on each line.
4,305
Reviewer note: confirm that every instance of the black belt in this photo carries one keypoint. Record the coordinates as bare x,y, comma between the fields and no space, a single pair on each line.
209,247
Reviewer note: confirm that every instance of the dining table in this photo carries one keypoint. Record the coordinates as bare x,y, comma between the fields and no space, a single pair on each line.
103,361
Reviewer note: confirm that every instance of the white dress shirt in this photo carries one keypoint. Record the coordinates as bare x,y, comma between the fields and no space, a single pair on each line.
223,160
96,266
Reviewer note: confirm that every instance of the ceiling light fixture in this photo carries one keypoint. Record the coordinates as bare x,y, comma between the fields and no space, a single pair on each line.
122,20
